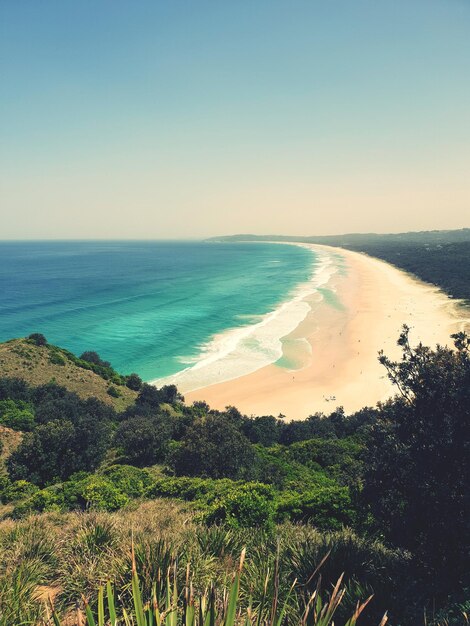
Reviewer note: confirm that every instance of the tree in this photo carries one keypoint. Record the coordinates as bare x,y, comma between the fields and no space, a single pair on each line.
144,439
134,382
149,397
214,447
265,430
418,458
46,455
59,447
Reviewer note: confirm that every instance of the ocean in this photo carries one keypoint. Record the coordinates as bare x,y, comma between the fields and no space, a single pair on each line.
199,310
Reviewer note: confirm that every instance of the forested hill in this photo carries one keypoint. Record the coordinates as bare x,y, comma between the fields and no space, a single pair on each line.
440,257
381,493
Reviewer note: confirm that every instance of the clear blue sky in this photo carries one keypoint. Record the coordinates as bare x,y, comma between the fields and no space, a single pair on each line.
189,119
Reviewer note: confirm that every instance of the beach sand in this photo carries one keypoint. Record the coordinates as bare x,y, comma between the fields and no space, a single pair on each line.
335,349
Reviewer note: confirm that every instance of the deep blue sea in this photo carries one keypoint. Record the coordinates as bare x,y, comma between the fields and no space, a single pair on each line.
147,307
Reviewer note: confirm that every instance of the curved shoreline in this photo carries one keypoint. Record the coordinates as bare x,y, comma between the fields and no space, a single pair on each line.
242,350
373,301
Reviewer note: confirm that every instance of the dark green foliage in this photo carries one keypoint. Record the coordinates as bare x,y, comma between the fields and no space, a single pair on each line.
134,382
144,440
94,357
214,447
43,456
151,398
399,470
265,430
38,339
337,425
14,389
339,457
73,435
418,459
311,463
273,467
92,361
313,426
446,264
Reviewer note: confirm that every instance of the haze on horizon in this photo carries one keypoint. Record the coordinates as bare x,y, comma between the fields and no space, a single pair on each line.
180,119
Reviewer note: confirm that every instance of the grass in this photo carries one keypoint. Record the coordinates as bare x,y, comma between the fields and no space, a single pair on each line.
10,440
152,563
72,556
170,603
39,365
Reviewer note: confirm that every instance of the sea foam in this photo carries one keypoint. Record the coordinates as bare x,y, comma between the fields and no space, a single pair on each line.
246,349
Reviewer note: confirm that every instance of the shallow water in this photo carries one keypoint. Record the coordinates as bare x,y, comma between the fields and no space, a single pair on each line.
157,307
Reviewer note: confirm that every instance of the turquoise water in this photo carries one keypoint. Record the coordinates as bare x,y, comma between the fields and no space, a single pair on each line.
148,307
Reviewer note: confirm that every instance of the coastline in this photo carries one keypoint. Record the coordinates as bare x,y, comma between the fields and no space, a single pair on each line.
333,351
259,339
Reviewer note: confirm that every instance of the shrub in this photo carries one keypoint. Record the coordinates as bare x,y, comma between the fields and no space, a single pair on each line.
18,420
95,534
56,359
17,490
245,506
18,415
131,481
113,392
327,508
186,488
38,339
366,563
42,500
98,492
94,357
45,500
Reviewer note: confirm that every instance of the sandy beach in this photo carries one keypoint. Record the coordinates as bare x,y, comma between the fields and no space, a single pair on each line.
335,349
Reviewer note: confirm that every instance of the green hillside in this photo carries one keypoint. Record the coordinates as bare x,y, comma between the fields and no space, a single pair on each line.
381,494
41,364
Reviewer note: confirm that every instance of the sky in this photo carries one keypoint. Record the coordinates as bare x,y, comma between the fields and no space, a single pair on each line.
188,119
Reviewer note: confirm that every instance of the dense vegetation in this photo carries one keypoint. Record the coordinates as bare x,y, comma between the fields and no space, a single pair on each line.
446,265
438,257
384,492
